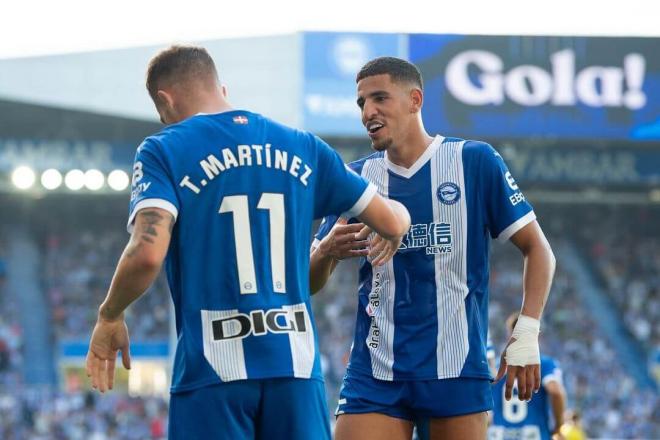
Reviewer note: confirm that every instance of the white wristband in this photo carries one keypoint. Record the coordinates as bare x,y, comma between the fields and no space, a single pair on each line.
525,349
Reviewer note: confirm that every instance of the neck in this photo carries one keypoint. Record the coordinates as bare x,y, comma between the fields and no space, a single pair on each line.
406,153
210,104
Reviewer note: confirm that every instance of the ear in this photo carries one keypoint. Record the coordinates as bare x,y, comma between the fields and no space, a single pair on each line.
165,99
223,89
416,100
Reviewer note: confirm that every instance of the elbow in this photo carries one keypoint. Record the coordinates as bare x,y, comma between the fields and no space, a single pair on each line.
143,257
148,261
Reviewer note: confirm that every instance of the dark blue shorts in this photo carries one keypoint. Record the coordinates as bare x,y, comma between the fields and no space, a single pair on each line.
286,408
414,400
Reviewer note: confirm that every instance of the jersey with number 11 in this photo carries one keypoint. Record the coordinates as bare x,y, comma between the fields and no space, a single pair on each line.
244,191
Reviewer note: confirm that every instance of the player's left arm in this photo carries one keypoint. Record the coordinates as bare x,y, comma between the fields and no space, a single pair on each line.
510,217
137,269
521,359
538,268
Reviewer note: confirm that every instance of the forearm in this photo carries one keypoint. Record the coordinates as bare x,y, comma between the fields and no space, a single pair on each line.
321,266
132,278
141,261
388,218
539,268
558,404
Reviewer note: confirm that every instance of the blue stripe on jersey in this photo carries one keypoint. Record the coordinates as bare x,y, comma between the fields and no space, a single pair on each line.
415,301
478,243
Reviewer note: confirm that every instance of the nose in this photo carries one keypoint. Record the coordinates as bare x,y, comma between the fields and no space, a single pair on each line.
368,111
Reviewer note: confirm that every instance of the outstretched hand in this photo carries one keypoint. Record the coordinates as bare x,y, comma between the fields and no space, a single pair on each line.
108,337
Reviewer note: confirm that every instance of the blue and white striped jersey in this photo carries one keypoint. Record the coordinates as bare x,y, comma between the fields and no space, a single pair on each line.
424,315
516,419
244,191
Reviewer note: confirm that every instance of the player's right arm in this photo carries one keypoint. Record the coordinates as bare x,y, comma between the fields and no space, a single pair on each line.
342,241
342,191
153,211
388,218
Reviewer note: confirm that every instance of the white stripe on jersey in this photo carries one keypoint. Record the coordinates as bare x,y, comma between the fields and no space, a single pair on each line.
225,356
302,344
380,338
451,269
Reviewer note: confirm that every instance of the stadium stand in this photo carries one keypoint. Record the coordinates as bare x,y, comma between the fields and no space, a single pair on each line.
10,331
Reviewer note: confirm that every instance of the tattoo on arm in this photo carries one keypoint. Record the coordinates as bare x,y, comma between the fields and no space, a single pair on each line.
146,222
151,218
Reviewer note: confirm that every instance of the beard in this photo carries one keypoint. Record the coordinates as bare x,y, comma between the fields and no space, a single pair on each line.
381,144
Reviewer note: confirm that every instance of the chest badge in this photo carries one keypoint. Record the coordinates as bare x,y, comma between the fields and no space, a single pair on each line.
449,193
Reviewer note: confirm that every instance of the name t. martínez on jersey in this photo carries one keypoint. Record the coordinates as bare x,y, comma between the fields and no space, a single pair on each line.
247,156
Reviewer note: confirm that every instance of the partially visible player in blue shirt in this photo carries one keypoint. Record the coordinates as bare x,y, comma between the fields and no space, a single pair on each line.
419,350
227,198
537,419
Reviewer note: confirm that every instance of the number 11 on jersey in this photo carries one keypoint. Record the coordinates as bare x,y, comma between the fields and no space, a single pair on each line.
238,206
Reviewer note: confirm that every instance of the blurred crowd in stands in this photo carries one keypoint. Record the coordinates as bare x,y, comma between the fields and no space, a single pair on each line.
621,245
629,263
43,414
78,267
10,329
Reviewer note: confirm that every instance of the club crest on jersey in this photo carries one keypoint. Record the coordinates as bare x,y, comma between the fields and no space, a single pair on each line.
449,193
240,120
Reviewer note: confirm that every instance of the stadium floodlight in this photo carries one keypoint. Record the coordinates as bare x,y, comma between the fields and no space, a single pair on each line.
23,177
51,179
74,180
118,180
94,179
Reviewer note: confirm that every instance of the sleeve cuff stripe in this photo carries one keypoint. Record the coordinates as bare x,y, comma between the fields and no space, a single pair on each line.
516,226
550,378
151,203
362,202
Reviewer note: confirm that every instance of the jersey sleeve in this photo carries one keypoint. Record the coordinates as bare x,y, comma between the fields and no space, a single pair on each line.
152,185
550,371
339,190
507,210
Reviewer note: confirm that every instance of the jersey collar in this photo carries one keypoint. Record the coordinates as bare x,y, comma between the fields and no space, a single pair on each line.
419,163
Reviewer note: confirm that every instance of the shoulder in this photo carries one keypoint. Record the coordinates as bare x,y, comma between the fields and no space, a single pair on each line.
548,362
479,148
481,156
282,130
357,165
167,136
550,370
